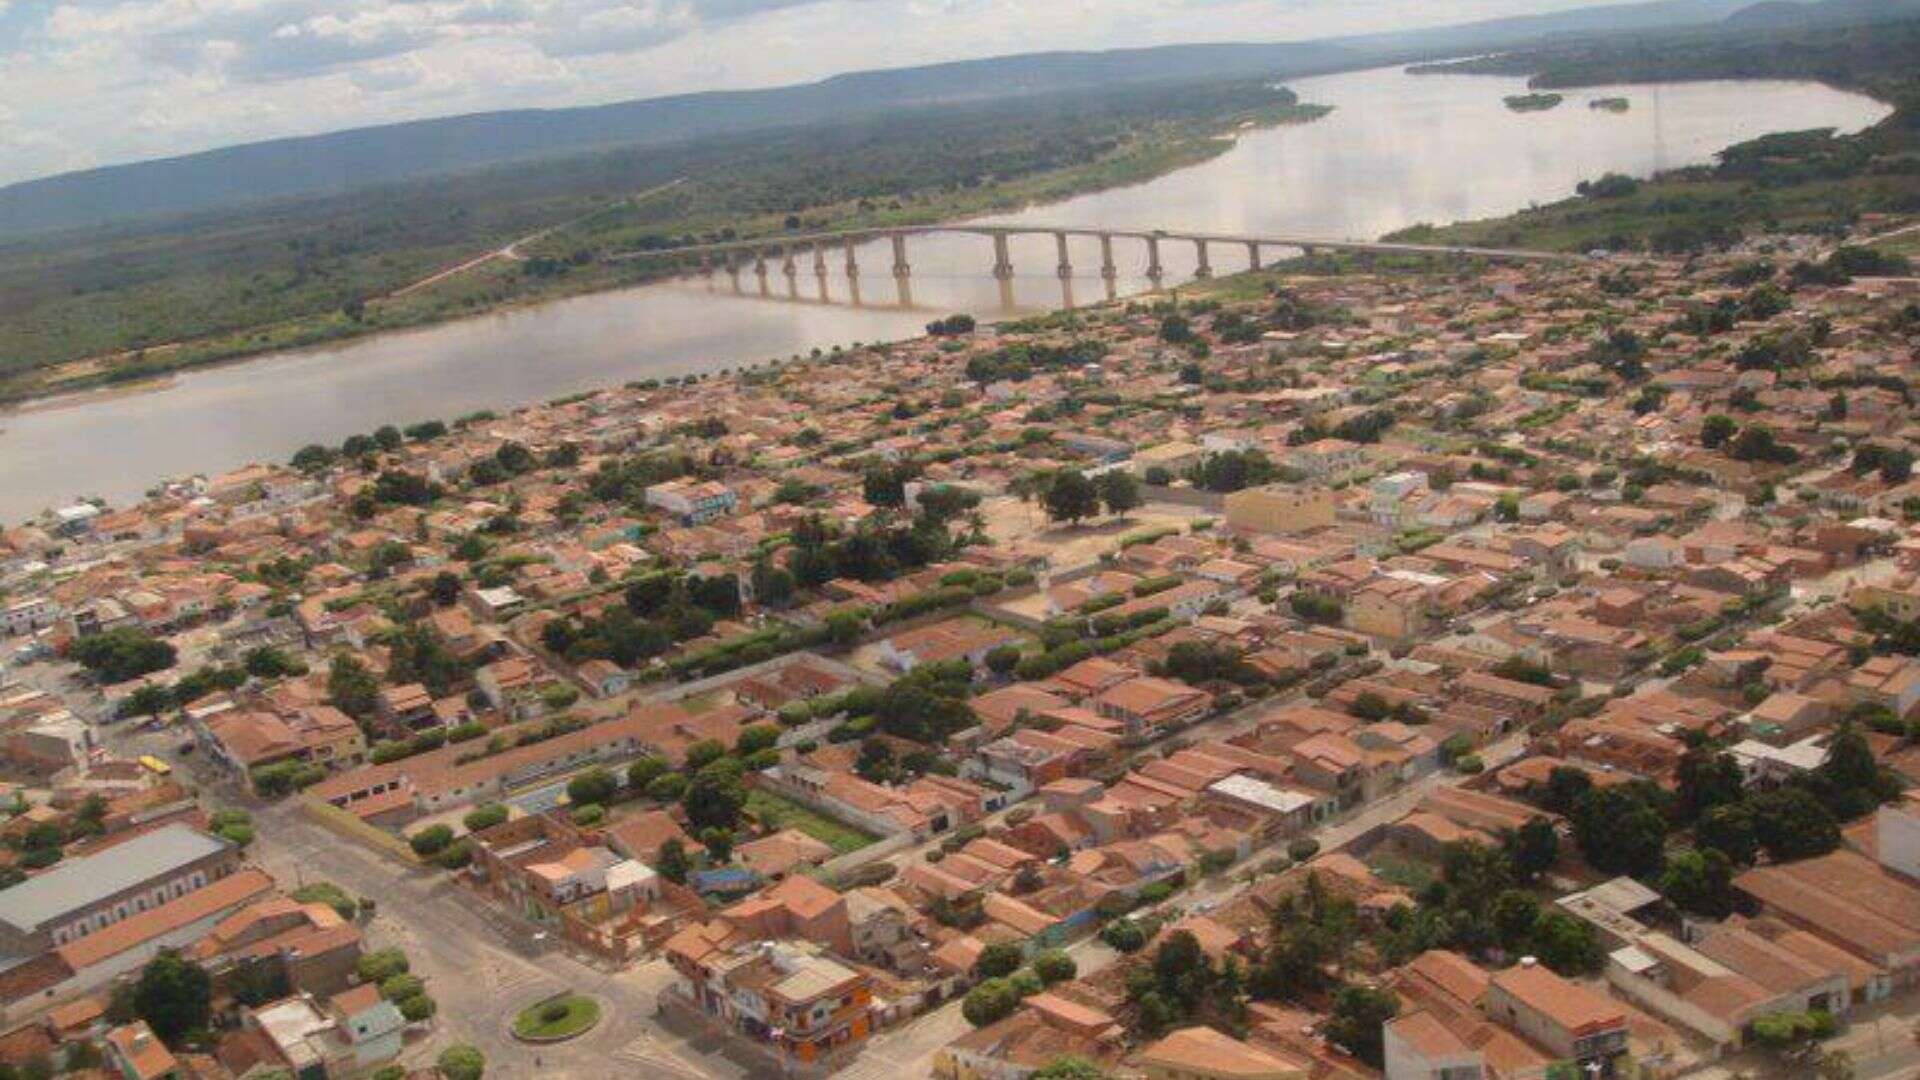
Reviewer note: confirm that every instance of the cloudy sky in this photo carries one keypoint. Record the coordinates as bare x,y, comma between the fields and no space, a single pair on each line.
91,82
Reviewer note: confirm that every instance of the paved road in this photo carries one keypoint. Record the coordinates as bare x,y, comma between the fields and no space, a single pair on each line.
483,965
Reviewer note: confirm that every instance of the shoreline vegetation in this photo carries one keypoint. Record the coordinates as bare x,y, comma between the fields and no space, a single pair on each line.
1532,102
1800,181
1610,104
1038,161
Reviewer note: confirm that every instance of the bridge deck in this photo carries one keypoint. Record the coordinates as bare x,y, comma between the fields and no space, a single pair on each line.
800,244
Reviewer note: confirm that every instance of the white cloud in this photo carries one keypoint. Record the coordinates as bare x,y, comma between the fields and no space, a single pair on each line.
96,81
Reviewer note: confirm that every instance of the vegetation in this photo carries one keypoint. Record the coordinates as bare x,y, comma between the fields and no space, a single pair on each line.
1796,181
556,1018
127,303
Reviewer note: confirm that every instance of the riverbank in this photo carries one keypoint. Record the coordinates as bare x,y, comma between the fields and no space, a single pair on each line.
498,285
1810,181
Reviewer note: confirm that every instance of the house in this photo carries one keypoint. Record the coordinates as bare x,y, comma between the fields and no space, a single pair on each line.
789,997
693,502
953,639
136,1053
1202,1053
1148,705
1571,1021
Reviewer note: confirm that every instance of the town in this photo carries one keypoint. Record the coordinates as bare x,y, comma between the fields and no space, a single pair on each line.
1419,667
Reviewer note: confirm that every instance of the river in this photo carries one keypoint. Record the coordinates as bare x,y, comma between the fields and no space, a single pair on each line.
1397,150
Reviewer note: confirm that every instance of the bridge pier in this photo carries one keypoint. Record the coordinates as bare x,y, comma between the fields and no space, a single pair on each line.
901,268
1107,269
1201,268
1253,255
733,272
1065,269
1066,292
853,264
1002,258
1006,292
787,266
1154,270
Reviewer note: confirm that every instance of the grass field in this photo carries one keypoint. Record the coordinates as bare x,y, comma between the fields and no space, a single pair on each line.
780,812
556,1018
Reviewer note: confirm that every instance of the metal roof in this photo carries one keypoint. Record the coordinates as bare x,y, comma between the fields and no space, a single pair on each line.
74,885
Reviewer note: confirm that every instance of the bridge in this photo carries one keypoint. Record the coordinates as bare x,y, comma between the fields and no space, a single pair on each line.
787,251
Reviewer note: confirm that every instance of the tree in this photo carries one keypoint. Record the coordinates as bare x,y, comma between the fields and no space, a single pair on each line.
1619,833
1706,780
1359,1012
146,700
1566,944
1533,848
174,996
1119,491
114,656
1700,883
884,486
715,795
992,1000
1515,912
351,688
462,1062
1054,965
998,959
431,840
1070,497
1729,830
671,861
1716,430
444,589
644,771
1790,823
596,785
1002,659
719,844
1123,936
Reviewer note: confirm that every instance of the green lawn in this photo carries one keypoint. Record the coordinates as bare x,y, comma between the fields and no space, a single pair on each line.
779,812
557,1018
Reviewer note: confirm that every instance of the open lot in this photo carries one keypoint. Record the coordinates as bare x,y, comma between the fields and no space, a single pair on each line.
1015,524
780,812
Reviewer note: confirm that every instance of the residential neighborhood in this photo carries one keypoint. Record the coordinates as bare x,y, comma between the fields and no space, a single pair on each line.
1410,671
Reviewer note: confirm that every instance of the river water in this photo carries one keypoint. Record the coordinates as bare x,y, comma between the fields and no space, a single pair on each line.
1397,150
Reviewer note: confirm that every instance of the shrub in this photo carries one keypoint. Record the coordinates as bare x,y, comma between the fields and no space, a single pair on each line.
462,1062
485,817
431,840
1303,848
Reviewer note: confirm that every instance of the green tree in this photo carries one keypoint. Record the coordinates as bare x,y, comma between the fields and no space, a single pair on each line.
988,1002
1069,1067
114,656
174,996
1054,965
351,688
1070,497
1119,492
1790,823
1619,833
1358,1015
1699,883
1730,831
716,794
596,785
672,862
462,1062
644,771
998,959
1715,430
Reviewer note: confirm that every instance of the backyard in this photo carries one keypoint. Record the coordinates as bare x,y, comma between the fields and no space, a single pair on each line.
779,812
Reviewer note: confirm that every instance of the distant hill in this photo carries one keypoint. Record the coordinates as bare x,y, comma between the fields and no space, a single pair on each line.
1786,14
366,157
